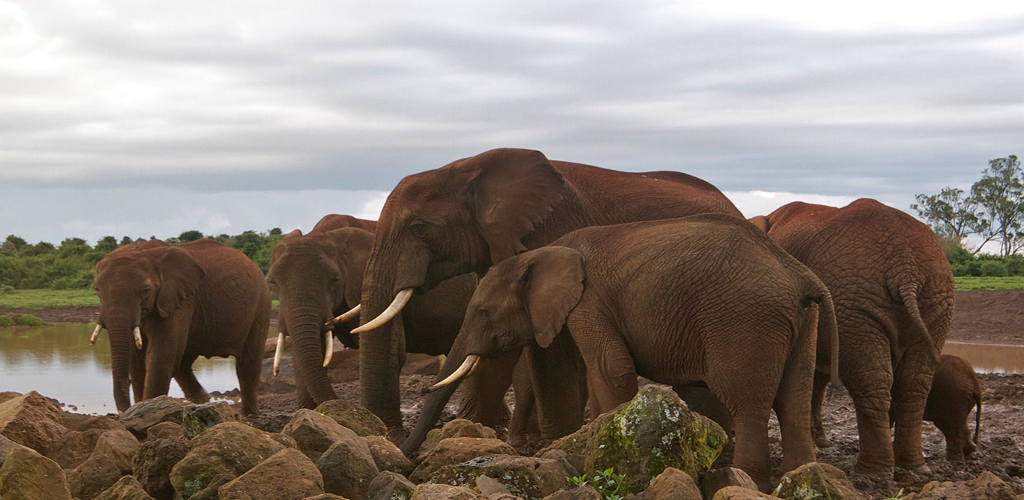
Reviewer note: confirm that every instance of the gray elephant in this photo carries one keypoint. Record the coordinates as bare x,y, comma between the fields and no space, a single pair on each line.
701,299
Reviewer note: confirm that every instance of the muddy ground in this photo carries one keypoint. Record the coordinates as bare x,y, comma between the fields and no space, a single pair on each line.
981,316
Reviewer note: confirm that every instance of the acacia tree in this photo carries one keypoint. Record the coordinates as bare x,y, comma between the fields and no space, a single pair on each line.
950,212
1000,194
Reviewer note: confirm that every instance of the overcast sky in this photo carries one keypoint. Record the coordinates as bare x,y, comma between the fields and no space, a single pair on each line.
146,118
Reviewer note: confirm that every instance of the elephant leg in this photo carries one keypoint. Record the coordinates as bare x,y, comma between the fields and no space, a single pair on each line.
611,375
793,405
867,374
187,380
483,397
700,399
248,364
913,380
523,428
752,454
557,374
817,400
137,367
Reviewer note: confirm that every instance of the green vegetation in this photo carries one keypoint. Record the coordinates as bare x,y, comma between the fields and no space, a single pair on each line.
22,320
989,283
39,298
610,485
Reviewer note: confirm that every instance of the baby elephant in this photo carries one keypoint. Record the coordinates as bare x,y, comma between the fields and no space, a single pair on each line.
955,391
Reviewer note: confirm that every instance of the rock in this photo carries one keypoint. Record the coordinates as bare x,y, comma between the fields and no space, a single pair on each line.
741,493
348,468
165,430
987,486
582,493
27,475
153,462
672,484
362,421
74,447
145,414
456,450
573,463
490,487
389,485
387,456
103,423
126,488
326,496
819,479
458,427
444,492
315,432
6,445
197,418
111,460
717,479
31,420
286,474
642,437
527,477
6,396
222,453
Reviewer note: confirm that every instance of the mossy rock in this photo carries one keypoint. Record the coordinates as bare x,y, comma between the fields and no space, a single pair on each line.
353,416
29,320
7,320
642,437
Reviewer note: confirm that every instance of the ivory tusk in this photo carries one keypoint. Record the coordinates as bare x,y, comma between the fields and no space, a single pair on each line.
347,315
138,337
95,334
328,347
466,367
396,306
278,352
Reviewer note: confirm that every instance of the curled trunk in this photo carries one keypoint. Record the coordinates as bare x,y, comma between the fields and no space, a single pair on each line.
436,401
305,327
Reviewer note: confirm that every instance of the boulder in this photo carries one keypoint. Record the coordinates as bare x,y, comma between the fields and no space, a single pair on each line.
987,486
165,430
31,420
145,414
672,484
362,421
526,477
492,488
444,492
717,479
326,496
741,493
819,479
222,453
92,422
389,485
109,462
126,488
6,445
153,462
27,475
348,468
387,456
644,436
74,447
197,418
457,450
582,493
286,474
315,432
458,427
573,463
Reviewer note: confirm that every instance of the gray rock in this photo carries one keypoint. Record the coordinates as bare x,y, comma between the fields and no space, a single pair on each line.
583,493
197,418
165,430
222,453
717,479
315,432
444,492
741,493
353,416
672,484
27,475
286,474
456,450
458,427
387,456
74,447
819,479
390,485
126,488
111,460
527,477
145,414
153,462
31,420
987,486
348,468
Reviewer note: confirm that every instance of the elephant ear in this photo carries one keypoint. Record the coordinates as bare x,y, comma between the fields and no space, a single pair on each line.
179,278
551,283
761,222
513,191
353,251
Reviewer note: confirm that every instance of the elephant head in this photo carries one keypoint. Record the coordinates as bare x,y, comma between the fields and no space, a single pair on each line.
521,301
140,284
316,276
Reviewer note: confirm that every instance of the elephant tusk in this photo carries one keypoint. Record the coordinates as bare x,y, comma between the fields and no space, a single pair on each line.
328,347
278,352
351,313
95,334
466,367
396,306
138,337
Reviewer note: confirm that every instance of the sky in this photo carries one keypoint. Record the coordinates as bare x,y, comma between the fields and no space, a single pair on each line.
146,118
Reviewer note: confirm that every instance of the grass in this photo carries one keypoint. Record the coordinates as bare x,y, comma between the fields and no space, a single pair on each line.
989,283
40,298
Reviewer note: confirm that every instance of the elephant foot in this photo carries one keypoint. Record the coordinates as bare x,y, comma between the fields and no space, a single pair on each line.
396,434
917,476
822,442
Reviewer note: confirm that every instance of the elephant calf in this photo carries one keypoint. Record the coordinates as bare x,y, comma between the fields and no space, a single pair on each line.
955,391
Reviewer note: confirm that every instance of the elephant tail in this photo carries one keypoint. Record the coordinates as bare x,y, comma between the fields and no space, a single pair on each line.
828,326
977,417
908,293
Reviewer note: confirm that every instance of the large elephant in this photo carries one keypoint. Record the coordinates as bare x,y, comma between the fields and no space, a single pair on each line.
471,213
702,299
319,275
179,303
893,291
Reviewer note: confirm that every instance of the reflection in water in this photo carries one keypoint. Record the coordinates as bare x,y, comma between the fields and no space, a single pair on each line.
989,358
58,362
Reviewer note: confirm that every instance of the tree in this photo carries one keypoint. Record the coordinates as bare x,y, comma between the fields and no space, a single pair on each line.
18,242
188,236
106,244
73,246
126,241
950,213
1000,194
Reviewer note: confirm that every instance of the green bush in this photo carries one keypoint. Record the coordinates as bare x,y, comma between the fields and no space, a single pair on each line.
7,320
993,268
29,320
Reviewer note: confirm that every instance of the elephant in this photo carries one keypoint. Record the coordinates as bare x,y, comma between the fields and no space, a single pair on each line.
893,291
319,275
179,303
701,299
955,391
474,212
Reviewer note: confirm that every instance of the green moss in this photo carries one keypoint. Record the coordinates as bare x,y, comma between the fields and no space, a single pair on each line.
29,320
7,320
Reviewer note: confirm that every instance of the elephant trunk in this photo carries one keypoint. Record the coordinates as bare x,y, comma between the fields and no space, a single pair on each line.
304,327
436,401
122,344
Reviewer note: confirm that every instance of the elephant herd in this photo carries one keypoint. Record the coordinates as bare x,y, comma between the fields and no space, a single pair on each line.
567,282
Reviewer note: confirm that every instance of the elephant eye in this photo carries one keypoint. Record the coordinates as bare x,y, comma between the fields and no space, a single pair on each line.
418,229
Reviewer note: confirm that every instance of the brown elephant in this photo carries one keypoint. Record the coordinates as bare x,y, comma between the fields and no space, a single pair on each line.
955,391
471,213
701,299
319,275
893,292
179,303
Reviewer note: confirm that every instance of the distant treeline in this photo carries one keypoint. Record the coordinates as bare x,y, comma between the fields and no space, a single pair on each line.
71,264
